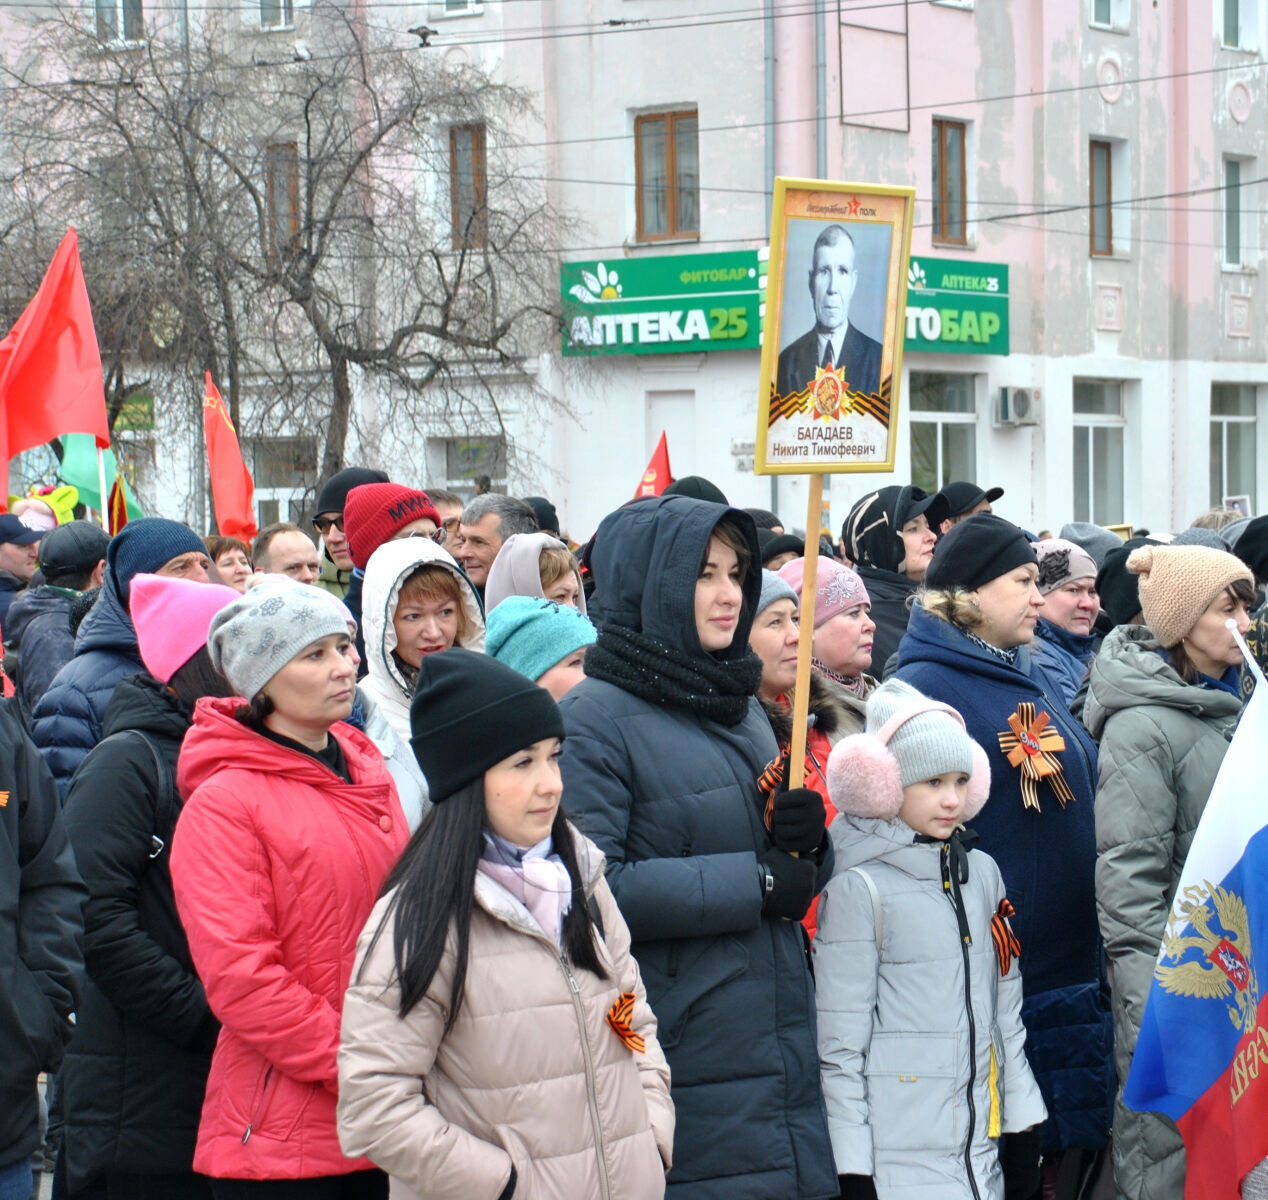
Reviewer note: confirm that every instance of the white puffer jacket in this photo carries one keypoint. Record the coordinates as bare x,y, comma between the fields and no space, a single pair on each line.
530,1074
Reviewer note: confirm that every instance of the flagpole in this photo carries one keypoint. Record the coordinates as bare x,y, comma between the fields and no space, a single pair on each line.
1255,669
101,489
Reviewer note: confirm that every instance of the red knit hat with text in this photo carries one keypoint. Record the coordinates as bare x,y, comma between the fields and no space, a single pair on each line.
375,512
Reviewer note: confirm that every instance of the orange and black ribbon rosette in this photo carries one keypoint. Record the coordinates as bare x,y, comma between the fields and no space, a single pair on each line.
1031,746
619,1017
1007,947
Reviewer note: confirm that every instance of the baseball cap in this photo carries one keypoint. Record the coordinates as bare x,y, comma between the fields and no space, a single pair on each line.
72,549
12,529
962,496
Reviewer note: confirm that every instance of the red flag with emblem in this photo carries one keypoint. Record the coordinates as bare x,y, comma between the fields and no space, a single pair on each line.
232,489
657,477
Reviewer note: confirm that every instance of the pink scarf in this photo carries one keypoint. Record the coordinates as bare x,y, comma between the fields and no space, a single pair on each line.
536,877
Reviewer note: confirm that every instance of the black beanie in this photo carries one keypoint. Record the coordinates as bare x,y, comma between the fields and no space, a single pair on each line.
1117,587
1251,547
697,487
981,548
544,511
469,713
334,493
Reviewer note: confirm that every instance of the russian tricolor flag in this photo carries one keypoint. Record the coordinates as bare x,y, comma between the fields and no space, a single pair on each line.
1202,1054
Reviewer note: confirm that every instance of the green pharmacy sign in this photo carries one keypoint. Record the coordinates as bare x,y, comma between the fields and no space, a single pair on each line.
663,305
956,307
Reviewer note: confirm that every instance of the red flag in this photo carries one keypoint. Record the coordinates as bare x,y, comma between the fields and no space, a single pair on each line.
117,505
657,476
50,365
232,491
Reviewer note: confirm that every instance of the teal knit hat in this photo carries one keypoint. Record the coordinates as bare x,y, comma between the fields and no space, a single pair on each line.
532,635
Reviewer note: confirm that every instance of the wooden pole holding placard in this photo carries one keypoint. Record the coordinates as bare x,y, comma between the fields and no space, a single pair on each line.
801,689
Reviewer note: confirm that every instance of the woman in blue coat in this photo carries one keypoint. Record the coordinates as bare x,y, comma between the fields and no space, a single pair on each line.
968,644
665,745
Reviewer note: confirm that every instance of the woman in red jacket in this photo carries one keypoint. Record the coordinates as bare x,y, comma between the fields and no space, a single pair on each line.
291,823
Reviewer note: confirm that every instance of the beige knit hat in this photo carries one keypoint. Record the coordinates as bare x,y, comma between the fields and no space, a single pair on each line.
1178,583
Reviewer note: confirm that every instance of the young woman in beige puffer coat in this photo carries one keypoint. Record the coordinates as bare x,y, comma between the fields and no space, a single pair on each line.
496,1037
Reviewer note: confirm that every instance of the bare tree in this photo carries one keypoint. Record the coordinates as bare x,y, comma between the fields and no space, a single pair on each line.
345,204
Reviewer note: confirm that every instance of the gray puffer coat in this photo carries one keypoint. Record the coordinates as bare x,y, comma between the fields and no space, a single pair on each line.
922,1046
1162,743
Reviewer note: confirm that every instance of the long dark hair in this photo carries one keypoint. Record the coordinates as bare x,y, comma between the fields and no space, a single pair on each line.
434,882
197,678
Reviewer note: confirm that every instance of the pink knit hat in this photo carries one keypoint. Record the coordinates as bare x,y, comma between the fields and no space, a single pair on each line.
172,617
837,588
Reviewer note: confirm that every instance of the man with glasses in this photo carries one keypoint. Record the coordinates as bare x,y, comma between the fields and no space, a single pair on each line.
336,558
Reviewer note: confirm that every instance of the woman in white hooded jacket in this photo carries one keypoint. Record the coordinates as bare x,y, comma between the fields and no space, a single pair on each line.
416,601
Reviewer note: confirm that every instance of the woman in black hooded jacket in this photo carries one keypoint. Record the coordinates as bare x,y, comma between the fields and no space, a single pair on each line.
136,1070
666,741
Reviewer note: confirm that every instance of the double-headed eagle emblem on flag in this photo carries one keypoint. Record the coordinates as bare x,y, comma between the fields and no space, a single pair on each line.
1206,952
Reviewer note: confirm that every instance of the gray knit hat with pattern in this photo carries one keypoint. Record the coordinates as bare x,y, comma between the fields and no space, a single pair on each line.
253,638
931,743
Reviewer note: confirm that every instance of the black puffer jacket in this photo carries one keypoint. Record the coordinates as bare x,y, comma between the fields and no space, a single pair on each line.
136,1071
670,797
41,935
38,629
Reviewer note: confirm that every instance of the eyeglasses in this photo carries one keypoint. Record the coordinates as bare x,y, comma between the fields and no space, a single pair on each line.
323,524
437,535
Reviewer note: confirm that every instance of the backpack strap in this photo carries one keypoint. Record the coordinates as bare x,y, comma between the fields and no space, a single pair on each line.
878,915
167,802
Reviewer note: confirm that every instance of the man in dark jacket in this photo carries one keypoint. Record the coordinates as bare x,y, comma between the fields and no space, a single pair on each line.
17,559
67,720
37,633
889,536
41,943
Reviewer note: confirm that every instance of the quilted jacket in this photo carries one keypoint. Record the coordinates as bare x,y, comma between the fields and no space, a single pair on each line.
67,720
1047,857
1162,743
276,864
530,1074
920,1039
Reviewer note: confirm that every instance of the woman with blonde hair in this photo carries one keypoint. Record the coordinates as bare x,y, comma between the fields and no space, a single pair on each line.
534,564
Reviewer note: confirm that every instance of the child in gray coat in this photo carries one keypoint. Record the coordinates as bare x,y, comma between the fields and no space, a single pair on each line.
918,987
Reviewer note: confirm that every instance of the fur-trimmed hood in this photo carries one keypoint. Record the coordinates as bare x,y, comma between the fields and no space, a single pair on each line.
836,712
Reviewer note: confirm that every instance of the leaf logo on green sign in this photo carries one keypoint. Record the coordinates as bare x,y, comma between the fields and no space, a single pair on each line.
597,288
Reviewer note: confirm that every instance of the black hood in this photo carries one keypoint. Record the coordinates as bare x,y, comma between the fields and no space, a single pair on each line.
646,560
141,702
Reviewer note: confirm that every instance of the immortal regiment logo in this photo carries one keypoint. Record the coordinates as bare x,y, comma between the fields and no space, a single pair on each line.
1212,961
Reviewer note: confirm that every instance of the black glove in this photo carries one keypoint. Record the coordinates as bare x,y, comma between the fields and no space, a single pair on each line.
797,818
1019,1155
794,885
857,1187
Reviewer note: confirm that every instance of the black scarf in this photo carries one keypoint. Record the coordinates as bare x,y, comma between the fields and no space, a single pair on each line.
654,671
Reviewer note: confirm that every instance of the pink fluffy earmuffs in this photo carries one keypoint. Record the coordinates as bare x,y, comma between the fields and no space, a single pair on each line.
865,779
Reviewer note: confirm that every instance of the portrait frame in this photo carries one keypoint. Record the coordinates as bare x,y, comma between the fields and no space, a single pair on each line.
816,419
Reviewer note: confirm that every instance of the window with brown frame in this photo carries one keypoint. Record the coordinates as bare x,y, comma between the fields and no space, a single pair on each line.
949,182
1101,198
282,179
468,189
667,175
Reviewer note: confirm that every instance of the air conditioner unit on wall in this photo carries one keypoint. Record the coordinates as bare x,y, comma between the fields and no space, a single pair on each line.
1018,406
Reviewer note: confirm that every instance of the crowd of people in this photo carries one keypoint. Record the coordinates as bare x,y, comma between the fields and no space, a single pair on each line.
429,853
